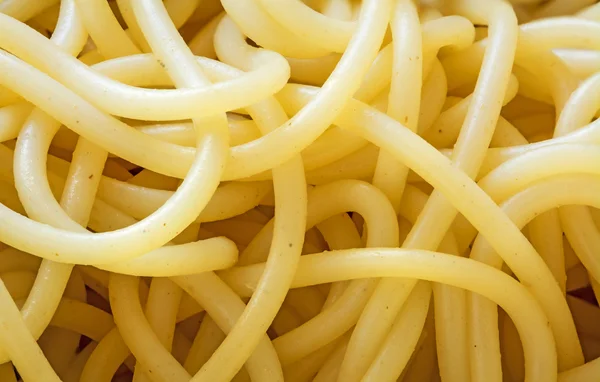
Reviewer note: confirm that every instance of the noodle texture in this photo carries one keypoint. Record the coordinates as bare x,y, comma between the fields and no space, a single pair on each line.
299,190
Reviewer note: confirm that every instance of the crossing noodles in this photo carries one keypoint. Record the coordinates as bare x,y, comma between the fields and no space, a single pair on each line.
299,190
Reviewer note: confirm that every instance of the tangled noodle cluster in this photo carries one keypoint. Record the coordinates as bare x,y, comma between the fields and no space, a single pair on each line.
270,190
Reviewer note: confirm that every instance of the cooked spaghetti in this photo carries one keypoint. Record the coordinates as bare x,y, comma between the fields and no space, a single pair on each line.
299,190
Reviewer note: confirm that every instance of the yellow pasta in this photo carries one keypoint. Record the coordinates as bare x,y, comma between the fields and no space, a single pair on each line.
299,190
